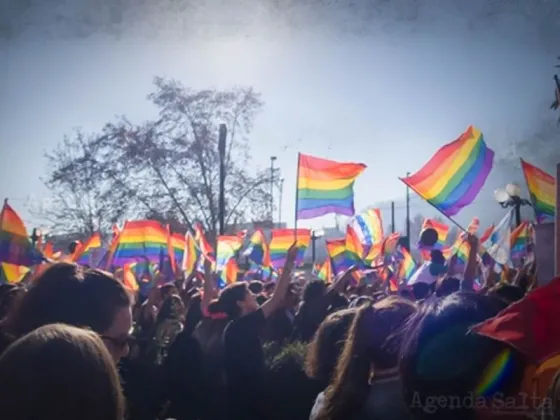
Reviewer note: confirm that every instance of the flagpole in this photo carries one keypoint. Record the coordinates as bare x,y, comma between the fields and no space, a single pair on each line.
297,198
445,215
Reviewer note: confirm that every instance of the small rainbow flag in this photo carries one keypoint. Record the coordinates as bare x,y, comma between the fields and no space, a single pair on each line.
12,274
205,248
325,186
390,244
341,259
175,249
227,248
230,272
129,279
140,239
368,227
542,188
191,255
281,241
520,239
15,246
354,247
407,266
258,251
454,176
325,271
84,254
461,248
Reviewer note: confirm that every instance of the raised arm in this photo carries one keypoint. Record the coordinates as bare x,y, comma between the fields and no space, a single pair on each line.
277,299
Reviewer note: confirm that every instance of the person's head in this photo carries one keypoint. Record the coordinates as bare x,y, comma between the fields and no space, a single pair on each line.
256,287
448,286
171,308
421,290
508,292
65,293
442,359
328,342
314,290
9,298
371,348
59,372
237,300
167,290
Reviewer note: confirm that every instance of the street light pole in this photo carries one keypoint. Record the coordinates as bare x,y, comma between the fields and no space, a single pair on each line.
510,197
272,159
280,201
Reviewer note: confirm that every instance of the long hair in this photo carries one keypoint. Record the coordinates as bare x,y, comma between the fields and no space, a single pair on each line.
58,372
327,345
372,344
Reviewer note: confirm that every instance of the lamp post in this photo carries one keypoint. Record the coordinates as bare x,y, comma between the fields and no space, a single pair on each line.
280,200
315,234
510,196
272,159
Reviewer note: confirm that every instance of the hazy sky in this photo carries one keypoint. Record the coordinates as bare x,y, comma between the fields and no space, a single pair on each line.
388,98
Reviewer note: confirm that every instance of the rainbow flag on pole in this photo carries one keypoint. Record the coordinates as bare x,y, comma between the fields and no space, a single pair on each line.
325,186
15,246
281,241
454,176
542,188
85,253
140,239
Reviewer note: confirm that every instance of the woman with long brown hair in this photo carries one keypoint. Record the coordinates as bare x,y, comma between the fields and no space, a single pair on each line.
366,383
58,372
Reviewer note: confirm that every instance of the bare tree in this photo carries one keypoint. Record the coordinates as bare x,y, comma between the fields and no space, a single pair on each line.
169,168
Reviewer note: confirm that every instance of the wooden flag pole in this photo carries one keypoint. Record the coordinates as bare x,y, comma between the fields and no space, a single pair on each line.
445,215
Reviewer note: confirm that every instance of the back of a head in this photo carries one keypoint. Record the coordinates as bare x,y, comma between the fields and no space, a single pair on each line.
58,372
373,341
256,287
65,293
328,342
314,290
440,357
508,292
448,286
421,290
229,298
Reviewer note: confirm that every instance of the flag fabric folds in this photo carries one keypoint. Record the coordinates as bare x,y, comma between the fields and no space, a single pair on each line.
454,176
15,246
281,241
325,186
84,254
542,189
140,239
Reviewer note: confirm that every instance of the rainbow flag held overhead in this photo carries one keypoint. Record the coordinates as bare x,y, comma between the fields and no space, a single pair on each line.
230,273
281,241
407,266
354,247
176,248
324,271
140,239
520,241
228,245
15,246
542,188
258,251
85,253
461,248
129,279
205,248
341,259
454,176
368,227
191,255
325,186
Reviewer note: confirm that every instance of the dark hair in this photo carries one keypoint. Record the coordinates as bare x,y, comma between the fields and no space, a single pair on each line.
261,299
314,290
9,298
229,298
440,357
508,292
373,342
447,286
421,290
437,257
169,308
256,287
327,344
59,372
65,293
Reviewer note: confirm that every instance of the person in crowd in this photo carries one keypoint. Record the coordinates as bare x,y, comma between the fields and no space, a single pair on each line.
59,372
323,352
443,361
447,286
244,357
66,293
366,384
281,323
169,324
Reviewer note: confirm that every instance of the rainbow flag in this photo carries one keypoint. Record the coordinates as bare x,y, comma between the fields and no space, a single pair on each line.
341,259
84,254
205,248
12,274
390,244
281,241
407,266
368,227
230,273
520,240
15,246
354,247
455,175
140,239
175,249
191,254
258,251
325,271
227,248
542,188
325,186
129,279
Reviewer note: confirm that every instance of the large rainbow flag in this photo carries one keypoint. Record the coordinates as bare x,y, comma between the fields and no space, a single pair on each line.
454,176
15,246
542,188
281,241
325,186
141,239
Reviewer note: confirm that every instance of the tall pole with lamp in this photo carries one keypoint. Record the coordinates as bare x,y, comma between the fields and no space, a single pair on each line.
510,196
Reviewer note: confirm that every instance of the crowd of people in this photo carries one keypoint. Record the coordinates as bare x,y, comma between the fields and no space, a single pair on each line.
76,344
